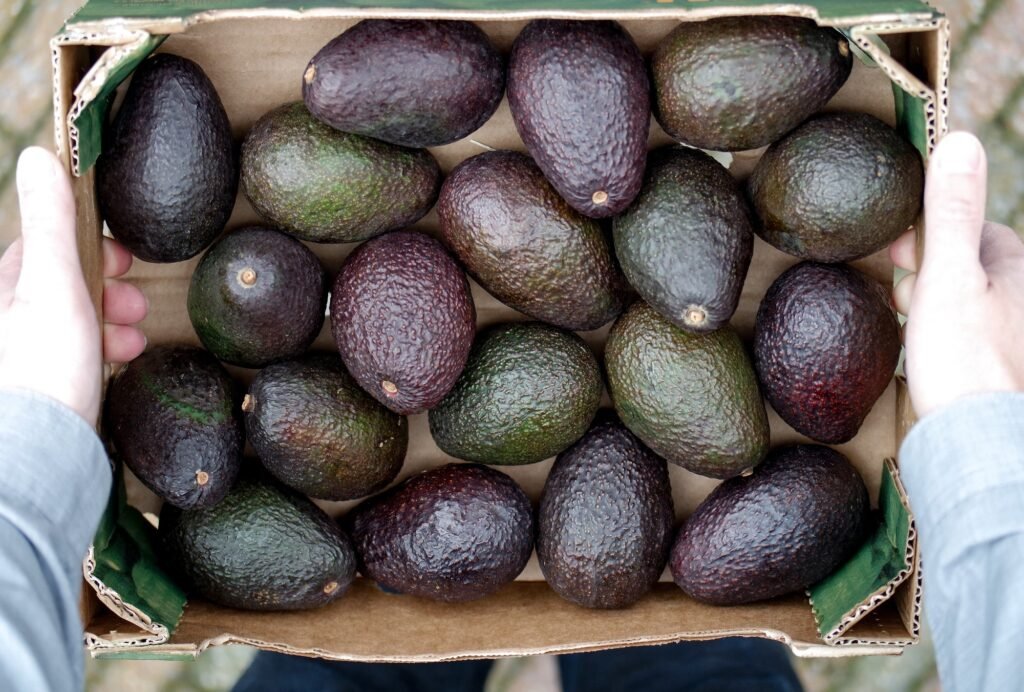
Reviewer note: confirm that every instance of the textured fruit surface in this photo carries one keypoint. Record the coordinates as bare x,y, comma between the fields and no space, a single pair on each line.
826,345
692,398
734,83
801,514
580,100
264,547
403,320
685,244
454,533
318,432
257,296
167,177
839,187
413,82
528,391
604,526
171,415
327,186
524,244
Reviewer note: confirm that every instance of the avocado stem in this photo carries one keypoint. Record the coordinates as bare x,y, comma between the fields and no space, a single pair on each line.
202,478
309,74
695,316
599,197
247,276
844,47
331,587
389,387
248,403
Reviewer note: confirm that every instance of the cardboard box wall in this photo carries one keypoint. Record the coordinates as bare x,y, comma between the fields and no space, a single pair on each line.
255,57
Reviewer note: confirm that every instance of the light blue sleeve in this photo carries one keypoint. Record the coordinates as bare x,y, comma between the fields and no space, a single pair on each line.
54,483
963,468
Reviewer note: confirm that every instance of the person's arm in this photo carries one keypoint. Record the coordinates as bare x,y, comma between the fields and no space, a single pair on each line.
963,462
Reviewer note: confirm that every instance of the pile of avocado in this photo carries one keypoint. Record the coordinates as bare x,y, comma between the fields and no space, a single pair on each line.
583,229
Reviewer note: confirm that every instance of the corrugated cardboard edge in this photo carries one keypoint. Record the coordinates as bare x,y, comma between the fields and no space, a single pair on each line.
152,632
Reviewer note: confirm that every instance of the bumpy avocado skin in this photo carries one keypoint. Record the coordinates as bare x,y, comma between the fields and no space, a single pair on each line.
801,514
455,533
264,547
412,82
529,390
692,398
526,246
327,186
604,526
580,99
826,345
685,244
168,174
257,296
839,187
173,419
735,83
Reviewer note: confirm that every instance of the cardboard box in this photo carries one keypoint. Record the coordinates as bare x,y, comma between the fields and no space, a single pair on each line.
255,57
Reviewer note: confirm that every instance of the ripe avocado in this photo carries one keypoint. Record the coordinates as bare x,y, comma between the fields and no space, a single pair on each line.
257,296
413,82
580,99
454,533
168,174
826,344
735,83
403,320
685,244
318,432
604,526
839,187
529,390
264,547
171,415
692,398
526,245
791,523
327,186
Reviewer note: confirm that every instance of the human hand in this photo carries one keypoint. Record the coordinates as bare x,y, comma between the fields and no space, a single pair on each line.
965,305
49,337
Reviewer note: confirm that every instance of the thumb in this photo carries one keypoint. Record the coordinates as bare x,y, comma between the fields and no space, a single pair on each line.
954,203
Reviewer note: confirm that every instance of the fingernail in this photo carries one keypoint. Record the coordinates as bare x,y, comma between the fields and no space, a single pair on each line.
35,168
959,152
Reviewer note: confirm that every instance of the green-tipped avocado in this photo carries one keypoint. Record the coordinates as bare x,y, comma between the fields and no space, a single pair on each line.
318,432
692,398
257,296
327,186
529,390
524,244
172,417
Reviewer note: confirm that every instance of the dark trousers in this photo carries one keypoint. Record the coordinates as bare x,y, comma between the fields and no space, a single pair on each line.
723,665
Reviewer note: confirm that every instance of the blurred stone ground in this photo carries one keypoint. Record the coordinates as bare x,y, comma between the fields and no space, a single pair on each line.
988,98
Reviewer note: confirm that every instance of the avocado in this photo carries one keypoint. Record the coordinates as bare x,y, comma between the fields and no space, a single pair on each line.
316,431
167,177
685,244
735,83
839,187
403,320
826,345
580,99
604,526
257,296
412,82
327,186
528,391
171,416
525,245
791,523
264,547
692,398
454,533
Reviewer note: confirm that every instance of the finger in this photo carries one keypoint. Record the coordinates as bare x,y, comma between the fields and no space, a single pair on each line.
903,292
116,259
123,303
122,343
954,206
10,268
999,244
903,252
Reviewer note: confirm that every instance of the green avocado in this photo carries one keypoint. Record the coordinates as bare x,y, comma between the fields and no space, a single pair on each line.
326,186
529,390
788,525
692,398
